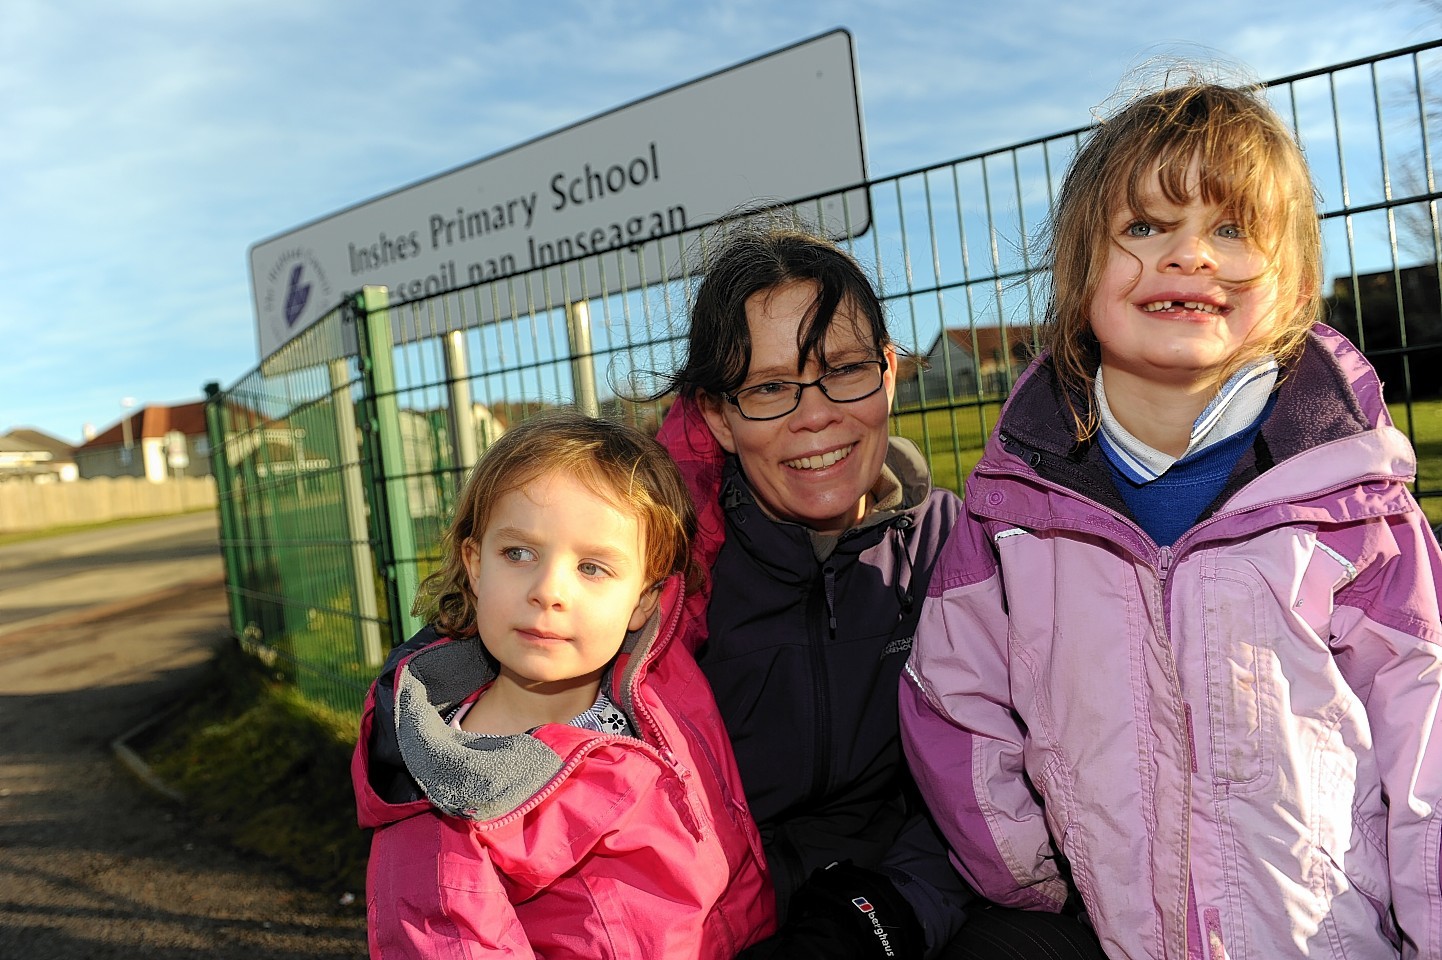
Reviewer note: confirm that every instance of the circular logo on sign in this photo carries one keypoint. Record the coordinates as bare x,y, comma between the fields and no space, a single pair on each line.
296,292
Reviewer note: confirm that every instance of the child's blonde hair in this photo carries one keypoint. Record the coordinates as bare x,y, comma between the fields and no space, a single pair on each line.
1246,161
616,462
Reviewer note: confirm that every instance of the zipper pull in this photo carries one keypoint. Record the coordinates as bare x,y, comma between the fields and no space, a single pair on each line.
830,590
1164,561
680,792
674,763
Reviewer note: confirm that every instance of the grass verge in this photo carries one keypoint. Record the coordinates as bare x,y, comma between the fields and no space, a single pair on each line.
20,536
267,771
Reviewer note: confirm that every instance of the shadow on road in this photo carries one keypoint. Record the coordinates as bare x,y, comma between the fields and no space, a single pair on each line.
92,864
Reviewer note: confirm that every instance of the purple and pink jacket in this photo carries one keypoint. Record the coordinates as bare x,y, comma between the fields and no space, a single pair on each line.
560,842
1230,747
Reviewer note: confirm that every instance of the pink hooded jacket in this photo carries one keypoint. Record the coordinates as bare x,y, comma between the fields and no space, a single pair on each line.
561,842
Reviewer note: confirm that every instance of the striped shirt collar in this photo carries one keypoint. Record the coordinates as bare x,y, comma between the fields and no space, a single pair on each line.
1235,407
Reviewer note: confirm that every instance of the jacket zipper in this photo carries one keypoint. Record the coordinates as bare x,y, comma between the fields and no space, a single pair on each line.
821,677
665,636
1166,557
821,686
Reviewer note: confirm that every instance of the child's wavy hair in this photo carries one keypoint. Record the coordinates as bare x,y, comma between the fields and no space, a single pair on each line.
1247,163
615,461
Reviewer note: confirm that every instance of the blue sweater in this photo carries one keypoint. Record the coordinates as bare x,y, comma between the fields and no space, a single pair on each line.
1169,505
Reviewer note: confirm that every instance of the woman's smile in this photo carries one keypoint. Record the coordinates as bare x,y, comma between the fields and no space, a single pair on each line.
822,460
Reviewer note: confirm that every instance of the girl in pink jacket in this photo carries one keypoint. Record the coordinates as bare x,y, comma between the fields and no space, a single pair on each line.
1181,661
580,796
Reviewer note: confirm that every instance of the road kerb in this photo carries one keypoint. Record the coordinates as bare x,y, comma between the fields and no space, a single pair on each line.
131,760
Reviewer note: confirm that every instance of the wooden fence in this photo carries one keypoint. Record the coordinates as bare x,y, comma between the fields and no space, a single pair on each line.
35,506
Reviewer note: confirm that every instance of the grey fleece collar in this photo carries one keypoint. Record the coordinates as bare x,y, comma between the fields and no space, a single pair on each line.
479,777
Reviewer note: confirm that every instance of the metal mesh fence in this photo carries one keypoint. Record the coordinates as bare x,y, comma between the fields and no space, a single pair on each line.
338,458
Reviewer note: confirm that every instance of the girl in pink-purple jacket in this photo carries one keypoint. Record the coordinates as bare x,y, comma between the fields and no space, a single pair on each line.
544,766
1180,659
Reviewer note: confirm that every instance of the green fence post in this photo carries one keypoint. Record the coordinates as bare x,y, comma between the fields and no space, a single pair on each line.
391,513
225,506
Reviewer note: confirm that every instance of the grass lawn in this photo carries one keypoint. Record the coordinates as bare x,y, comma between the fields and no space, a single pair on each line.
267,769
1423,423
951,440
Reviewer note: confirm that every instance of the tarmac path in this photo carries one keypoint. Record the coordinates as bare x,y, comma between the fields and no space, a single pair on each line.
98,631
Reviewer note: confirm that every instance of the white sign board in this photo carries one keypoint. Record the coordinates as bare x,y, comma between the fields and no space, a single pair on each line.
783,127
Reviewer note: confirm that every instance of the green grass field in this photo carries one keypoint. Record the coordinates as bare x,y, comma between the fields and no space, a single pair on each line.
952,441
1423,423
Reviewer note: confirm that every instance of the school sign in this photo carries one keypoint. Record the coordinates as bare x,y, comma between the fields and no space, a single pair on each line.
783,127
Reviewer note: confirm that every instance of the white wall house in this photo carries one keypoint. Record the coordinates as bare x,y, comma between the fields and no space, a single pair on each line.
156,442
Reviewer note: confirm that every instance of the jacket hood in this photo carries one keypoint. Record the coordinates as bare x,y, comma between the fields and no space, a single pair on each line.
482,777
1329,428
1328,391
904,460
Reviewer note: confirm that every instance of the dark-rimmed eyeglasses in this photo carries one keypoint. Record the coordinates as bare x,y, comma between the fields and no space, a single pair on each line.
777,398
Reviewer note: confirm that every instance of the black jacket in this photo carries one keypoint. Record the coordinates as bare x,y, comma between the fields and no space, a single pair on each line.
804,656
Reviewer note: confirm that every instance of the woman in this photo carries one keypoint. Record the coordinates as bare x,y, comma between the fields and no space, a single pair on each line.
821,530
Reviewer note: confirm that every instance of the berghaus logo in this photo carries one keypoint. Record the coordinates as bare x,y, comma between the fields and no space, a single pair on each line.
864,905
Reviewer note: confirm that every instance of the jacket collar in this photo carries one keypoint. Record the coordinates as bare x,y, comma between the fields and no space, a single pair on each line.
1321,398
1329,398
482,778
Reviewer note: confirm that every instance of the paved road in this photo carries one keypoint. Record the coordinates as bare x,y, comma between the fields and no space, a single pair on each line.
97,630
58,577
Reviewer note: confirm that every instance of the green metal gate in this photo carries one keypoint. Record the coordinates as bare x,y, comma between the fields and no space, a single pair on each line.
335,475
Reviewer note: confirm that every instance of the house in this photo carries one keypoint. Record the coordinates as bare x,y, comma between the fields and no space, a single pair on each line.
36,457
270,448
156,442
966,362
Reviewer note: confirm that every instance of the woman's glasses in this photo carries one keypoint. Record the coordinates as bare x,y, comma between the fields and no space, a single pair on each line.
777,398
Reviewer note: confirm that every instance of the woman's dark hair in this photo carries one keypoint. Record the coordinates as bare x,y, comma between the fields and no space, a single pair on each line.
750,260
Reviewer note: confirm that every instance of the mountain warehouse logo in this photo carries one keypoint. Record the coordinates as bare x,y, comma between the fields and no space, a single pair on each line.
296,291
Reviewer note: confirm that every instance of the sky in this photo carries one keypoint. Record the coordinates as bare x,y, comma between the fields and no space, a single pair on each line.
145,145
